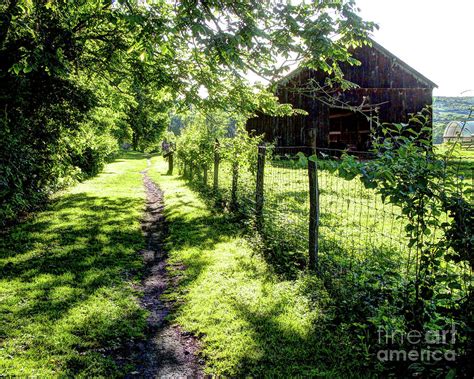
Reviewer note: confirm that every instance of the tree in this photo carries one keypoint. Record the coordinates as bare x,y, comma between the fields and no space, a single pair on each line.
63,61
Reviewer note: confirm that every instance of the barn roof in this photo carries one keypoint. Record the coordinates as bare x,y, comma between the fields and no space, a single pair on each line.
404,66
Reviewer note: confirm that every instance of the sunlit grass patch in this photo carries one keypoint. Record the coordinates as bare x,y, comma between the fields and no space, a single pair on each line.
352,218
250,321
66,299
261,314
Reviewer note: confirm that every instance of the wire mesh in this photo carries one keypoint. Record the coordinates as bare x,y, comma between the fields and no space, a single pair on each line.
244,196
286,201
246,183
353,219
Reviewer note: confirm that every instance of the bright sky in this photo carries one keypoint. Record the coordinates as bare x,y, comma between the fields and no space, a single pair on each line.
435,37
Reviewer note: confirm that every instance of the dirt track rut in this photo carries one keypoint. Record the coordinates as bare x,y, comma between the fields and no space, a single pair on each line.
168,352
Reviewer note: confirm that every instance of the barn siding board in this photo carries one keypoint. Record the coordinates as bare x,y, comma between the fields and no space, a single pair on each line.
385,80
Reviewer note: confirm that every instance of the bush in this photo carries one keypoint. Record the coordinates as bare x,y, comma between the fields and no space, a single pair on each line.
47,146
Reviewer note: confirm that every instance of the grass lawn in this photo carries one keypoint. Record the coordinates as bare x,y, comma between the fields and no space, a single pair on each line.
462,161
67,303
353,219
66,299
254,318
251,322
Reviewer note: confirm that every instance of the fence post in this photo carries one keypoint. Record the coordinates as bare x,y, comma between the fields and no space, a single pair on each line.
170,163
313,215
235,178
259,187
205,176
216,166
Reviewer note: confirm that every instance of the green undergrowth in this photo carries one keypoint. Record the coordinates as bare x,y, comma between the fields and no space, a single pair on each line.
66,299
251,321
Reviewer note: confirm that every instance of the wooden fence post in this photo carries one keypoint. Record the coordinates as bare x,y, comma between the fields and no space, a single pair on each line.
216,166
313,215
170,163
259,187
235,178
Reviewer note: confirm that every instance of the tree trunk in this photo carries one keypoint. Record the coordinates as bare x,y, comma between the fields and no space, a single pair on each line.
135,140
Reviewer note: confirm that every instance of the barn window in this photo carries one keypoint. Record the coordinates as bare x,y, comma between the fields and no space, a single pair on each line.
348,130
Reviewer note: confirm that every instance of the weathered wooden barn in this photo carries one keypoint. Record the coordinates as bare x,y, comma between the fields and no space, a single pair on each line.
387,89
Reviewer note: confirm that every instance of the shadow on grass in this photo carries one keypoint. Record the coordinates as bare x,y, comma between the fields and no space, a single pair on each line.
351,290
281,351
463,170
129,155
72,246
202,232
277,242
62,277
329,346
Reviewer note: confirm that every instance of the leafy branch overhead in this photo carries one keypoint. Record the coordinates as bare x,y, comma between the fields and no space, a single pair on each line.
80,77
181,46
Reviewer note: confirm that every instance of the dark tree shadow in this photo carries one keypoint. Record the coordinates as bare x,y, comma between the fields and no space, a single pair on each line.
53,263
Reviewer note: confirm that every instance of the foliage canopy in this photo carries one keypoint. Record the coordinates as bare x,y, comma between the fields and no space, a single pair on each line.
79,77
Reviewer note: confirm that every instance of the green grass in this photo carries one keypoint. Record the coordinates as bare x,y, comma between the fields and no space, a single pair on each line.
250,321
461,160
261,314
67,302
352,218
66,297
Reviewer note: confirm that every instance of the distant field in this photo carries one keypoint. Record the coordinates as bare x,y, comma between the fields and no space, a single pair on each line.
446,109
451,106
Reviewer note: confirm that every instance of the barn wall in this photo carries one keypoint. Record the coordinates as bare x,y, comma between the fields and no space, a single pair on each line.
395,104
383,80
380,70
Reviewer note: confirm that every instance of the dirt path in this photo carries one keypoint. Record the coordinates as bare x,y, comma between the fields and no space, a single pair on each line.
168,352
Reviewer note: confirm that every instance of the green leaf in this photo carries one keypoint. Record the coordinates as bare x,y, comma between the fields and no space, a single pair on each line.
16,68
454,285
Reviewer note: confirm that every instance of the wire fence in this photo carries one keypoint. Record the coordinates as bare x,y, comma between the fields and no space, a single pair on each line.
274,194
354,217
